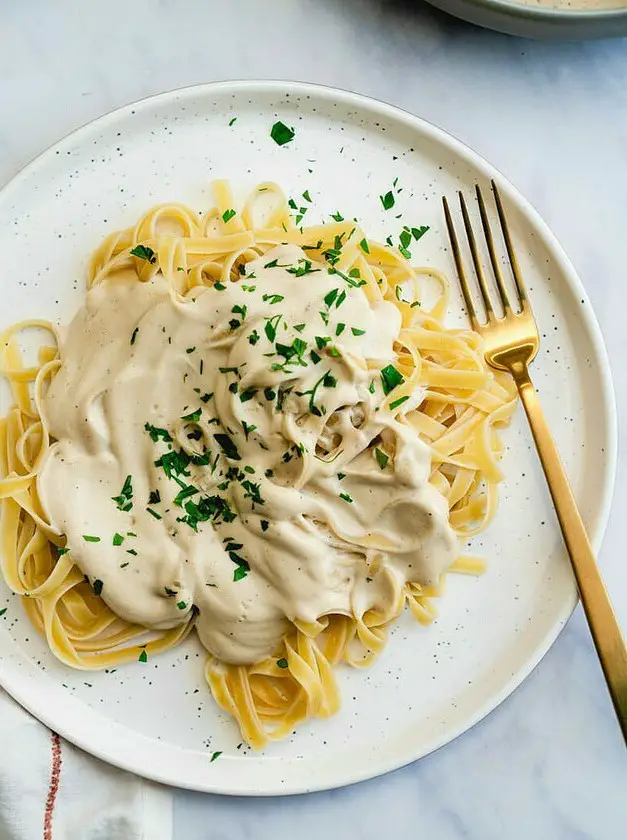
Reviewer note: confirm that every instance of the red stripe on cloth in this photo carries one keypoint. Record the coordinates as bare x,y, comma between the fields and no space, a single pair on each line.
53,787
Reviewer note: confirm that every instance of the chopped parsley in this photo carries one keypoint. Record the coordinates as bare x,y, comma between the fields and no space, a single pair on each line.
346,498
281,134
181,605
364,246
228,215
381,457
88,538
253,338
193,416
118,539
143,252
303,267
157,434
398,402
228,447
187,491
272,299
154,497
215,508
215,755
124,501
134,335
387,200
154,513
97,587
340,329
264,524
282,663
271,326
357,331
248,394
390,378
143,656
247,429
232,121
328,381
61,551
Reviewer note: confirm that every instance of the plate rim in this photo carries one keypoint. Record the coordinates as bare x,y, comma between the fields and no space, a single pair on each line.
610,426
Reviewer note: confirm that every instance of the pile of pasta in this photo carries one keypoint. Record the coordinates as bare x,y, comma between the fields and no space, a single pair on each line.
464,406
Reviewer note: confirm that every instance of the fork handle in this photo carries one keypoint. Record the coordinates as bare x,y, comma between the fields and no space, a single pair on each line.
596,603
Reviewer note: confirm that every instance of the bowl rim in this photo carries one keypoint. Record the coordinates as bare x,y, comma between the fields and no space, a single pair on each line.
552,13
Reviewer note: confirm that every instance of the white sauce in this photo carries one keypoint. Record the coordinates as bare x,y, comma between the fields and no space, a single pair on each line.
311,558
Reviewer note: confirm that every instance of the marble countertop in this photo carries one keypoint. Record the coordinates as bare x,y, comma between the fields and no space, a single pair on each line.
549,763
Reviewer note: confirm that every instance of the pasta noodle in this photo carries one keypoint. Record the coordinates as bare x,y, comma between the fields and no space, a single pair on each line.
447,397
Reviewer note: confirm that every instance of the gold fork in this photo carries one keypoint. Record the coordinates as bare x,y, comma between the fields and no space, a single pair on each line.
511,342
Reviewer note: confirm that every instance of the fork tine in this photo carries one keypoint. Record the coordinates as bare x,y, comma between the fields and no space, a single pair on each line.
463,282
520,286
492,251
476,259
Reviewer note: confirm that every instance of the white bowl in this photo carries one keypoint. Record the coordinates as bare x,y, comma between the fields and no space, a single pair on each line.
540,21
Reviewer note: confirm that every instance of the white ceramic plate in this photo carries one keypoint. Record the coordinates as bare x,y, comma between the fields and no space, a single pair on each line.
430,684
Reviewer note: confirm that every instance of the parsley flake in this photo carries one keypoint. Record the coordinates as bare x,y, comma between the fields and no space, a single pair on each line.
387,200
228,447
281,134
390,378
381,457
124,501
143,252
398,402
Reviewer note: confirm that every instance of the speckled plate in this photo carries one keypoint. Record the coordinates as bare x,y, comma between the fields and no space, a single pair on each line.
430,684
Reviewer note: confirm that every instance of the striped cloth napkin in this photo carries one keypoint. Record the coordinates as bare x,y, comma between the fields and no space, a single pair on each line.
52,790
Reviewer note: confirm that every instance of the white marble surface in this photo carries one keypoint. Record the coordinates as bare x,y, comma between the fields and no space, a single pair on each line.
553,117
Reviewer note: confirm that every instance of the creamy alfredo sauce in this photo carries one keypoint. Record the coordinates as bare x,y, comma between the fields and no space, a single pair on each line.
254,491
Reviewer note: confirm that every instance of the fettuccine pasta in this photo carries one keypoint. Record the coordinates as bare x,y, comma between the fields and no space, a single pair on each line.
252,430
